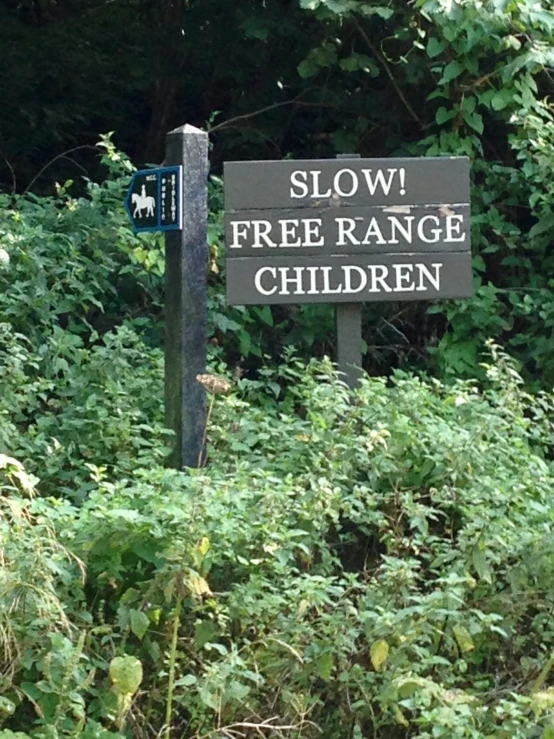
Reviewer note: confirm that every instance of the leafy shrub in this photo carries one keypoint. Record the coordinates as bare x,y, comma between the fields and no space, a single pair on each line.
74,262
66,406
381,567
377,565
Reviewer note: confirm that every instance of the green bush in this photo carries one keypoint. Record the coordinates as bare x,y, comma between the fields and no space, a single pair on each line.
377,565
381,567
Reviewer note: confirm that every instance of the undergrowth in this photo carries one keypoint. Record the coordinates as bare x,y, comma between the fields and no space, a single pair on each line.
376,566
368,566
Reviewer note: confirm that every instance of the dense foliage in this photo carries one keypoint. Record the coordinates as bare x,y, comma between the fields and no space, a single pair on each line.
382,568
378,565
309,78
372,567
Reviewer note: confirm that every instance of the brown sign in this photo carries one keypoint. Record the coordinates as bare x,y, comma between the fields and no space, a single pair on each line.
347,230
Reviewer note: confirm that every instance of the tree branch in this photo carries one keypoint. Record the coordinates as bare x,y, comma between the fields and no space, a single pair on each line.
55,159
257,112
387,69
14,180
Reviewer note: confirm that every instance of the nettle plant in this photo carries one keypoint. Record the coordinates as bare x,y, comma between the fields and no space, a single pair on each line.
348,567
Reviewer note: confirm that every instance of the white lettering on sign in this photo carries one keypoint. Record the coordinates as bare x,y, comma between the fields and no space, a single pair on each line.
352,230
289,235
312,237
258,280
288,232
261,233
433,279
374,231
434,233
362,276
346,182
313,280
453,226
296,280
378,272
348,279
343,231
403,273
239,231
327,290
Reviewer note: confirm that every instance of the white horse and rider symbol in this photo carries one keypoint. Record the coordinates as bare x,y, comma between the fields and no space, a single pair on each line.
153,199
143,202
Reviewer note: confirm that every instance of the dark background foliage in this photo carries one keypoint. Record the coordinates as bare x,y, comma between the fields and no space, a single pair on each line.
312,78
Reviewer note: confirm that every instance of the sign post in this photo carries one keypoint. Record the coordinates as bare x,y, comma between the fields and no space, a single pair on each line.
174,199
348,331
186,266
347,231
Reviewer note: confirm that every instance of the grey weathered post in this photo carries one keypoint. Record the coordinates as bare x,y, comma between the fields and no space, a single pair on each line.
186,263
348,331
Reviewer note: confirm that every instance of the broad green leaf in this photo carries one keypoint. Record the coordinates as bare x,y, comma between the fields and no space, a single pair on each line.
221,648
350,64
435,47
139,623
469,104
253,29
307,68
501,99
478,263
126,674
379,652
475,120
546,223
479,559
463,637
204,632
266,315
325,666
336,6
443,114
186,681
451,71
235,691
245,342
408,686
383,12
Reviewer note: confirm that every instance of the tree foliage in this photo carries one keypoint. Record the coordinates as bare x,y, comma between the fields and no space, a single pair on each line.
310,78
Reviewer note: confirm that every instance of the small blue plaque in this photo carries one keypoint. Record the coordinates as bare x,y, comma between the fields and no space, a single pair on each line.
154,200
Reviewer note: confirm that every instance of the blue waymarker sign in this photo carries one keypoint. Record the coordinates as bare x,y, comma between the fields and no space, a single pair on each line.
153,200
